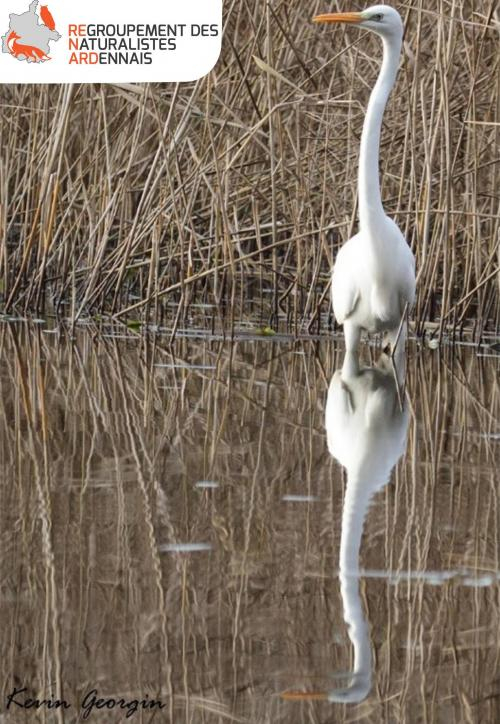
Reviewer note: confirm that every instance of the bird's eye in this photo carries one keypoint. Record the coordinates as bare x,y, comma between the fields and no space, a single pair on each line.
378,17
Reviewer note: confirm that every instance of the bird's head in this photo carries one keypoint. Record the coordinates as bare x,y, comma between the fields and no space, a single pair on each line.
381,19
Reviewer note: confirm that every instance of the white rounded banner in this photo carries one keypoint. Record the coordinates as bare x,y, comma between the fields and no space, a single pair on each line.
108,41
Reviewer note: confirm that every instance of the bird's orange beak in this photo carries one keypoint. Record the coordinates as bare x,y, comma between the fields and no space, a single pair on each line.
338,18
304,696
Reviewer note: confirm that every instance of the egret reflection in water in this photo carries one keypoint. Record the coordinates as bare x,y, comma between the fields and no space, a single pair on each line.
366,425
366,422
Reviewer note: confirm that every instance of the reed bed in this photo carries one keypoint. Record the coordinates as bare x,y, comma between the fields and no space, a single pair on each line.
98,474
143,202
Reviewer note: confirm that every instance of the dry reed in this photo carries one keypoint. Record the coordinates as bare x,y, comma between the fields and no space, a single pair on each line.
144,202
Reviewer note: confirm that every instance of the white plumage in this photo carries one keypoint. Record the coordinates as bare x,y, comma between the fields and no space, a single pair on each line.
373,278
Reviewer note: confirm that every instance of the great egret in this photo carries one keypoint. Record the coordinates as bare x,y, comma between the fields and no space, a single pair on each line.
366,430
373,279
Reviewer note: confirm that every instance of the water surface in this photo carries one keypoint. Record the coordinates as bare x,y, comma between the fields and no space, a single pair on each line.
171,522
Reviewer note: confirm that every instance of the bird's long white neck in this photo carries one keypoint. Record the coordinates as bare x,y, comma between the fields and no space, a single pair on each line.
356,504
370,203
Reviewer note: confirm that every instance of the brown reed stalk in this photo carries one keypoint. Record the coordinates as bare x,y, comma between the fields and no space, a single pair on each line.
237,190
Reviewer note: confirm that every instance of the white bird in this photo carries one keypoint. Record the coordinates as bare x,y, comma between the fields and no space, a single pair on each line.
373,279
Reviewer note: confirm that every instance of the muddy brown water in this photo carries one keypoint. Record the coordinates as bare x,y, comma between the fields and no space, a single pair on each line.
171,523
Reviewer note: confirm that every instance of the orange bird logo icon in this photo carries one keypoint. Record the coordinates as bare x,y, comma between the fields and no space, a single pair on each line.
47,18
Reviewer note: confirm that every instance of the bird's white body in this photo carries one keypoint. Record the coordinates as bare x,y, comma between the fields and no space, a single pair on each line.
373,281
373,278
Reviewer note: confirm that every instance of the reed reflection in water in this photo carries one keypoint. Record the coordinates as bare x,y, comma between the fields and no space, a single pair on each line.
104,444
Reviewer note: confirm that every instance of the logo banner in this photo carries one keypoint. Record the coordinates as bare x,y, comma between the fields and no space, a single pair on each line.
108,40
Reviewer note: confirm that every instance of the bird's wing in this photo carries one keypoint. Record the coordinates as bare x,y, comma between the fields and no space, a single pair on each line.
407,286
345,291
